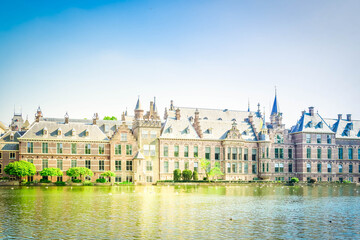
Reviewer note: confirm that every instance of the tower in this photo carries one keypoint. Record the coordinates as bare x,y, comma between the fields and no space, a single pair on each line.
276,115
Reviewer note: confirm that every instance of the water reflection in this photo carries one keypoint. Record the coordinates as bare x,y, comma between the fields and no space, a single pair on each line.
193,212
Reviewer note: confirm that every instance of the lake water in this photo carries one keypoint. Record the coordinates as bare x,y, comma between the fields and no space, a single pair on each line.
181,212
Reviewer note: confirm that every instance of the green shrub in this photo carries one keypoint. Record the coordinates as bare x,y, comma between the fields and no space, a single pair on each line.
346,181
195,176
294,180
60,183
177,175
45,181
186,175
126,182
101,180
76,180
205,178
88,183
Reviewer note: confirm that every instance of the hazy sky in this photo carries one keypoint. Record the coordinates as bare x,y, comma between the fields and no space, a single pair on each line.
98,56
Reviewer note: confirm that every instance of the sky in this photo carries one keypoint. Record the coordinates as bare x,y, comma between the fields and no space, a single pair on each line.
86,57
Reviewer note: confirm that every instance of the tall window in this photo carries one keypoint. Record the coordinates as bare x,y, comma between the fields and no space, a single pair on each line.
118,165
177,166
152,150
267,167
0,168
234,153
246,168
186,151
30,147
59,164
328,139
350,168
290,168
59,148
308,167
290,153
217,153
146,149
196,167
359,154
128,149
87,148
276,167
176,151
340,153
118,149
166,166
246,152
281,167
267,152
318,138
240,167
240,153
45,148
207,153
148,165
340,168
88,164
229,153
73,148
129,165
101,165
186,165
308,138
12,155
350,153
276,153
153,134
228,167
234,168
144,133
253,168
166,151
45,163
123,137
308,153
329,168
101,149
196,151
73,163
319,153
319,167
329,153
30,160
253,154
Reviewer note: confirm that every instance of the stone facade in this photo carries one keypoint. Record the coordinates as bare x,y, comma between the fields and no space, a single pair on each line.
144,149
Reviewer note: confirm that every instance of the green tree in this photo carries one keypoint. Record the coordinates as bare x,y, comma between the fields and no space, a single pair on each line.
108,174
110,118
195,176
20,169
186,175
177,175
51,172
294,180
79,172
210,172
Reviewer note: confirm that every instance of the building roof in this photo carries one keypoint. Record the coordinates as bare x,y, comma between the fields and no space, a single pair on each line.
80,129
311,124
179,129
345,129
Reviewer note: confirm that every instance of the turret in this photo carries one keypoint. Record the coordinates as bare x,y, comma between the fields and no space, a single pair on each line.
38,115
66,118
138,111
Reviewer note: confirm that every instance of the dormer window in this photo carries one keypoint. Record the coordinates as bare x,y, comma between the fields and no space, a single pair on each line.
309,124
346,133
320,125
205,118
45,131
349,126
73,132
169,130
209,131
12,137
59,132
86,133
220,119
106,128
234,119
187,130
191,118
245,133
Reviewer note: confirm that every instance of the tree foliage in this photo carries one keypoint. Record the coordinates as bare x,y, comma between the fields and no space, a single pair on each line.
195,176
210,172
20,169
110,118
79,172
177,175
294,180
108,174
186,175
52,172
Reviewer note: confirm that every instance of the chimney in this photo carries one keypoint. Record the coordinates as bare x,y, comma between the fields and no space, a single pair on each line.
339,116
251,118
177,114
171,105
94,119
165,114
311,111
151,107
66,118
303,112
348,117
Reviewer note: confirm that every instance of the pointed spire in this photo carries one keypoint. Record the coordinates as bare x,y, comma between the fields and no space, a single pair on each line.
248,104
138,105
275,109
154,105
126,112
264,121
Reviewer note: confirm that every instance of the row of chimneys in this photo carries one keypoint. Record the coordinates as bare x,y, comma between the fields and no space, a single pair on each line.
348,116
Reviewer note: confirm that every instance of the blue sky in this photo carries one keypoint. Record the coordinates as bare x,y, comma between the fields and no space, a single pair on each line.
98,56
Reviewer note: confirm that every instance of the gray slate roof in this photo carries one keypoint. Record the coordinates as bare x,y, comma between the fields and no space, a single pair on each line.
345,129
311,124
